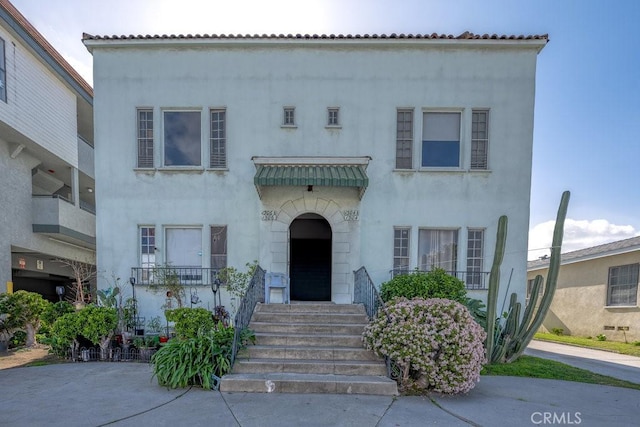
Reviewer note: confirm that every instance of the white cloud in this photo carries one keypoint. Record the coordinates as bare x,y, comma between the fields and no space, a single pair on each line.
578,234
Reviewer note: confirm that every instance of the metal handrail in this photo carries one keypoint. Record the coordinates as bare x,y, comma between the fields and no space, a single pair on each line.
188,276
253,295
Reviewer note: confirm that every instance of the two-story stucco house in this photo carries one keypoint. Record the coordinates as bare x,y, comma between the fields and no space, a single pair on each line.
314,155
46,162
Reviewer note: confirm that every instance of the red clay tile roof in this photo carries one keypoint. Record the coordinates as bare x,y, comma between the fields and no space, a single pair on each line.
39,38
464,36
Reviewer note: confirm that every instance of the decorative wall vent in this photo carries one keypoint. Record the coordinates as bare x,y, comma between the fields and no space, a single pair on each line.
609,328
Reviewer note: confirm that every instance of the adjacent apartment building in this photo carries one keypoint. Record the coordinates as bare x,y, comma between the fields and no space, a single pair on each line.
46,161
597,291
313,155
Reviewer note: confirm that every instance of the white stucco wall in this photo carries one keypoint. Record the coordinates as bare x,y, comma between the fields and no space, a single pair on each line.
253,81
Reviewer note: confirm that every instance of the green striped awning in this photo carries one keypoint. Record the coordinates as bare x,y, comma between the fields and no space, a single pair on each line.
304,175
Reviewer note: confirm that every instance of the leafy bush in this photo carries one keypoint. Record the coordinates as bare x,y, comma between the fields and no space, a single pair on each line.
193,361
601,337
189,321
24,310
64,333
435,342
433,284
557,331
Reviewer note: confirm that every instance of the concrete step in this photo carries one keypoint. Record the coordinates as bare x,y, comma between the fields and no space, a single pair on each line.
310,366
314,307
307,328
316,340
311,317
308,383
302,352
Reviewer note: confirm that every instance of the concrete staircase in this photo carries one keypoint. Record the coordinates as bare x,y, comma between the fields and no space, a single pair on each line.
308,348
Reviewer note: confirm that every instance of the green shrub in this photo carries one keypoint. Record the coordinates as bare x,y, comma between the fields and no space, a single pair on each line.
190,321
433,284
24,311
636,343
19,339
193,361
557,331
64,333
435,342
601,337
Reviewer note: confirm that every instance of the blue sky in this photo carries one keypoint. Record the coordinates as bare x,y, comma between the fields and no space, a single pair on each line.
587,119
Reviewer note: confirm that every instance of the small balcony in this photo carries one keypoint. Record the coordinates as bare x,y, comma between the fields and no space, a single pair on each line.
186,276
62,220
473,280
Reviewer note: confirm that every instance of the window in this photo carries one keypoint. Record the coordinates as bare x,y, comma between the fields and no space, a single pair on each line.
475,259
145,138
218,139
479,139
622,288
147,251
289,116
441,139
3,73
184,247
218,246
182,138
404,139
438,249
400,251
332,117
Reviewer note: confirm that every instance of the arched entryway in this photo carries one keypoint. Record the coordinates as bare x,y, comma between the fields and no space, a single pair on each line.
310,258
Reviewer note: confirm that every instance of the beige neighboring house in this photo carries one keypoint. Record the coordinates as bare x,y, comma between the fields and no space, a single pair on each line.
597,291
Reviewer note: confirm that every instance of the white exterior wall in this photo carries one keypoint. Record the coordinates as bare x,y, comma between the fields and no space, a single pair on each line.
254,82
40,106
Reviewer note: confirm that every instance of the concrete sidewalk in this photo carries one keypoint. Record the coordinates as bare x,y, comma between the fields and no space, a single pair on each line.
601,362
124,394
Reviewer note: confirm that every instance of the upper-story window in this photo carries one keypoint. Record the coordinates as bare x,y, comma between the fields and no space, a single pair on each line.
182,138
404,139
441,139
333,118
3,73
622,286
289,118
145,137
218,139
479,139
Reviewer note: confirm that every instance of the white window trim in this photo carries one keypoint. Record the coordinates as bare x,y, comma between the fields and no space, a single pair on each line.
337,125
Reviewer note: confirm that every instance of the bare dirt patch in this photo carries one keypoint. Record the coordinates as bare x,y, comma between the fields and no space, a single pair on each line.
27,356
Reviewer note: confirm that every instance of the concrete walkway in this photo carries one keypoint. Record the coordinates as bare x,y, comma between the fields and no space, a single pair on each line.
601,362
124,394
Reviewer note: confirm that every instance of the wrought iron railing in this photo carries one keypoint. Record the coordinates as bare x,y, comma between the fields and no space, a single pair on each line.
366,293
187,276
254,294
473,280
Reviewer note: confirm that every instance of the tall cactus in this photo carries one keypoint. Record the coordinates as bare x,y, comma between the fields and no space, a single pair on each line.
512,338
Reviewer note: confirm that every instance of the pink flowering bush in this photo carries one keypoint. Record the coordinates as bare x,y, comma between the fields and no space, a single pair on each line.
435,342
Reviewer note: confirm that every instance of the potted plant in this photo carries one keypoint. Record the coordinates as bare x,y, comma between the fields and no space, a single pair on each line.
146,346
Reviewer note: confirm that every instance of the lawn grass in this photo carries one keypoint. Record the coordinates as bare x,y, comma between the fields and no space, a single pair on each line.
615,346
535,367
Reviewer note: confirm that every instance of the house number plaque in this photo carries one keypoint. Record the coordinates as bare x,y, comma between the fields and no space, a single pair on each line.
269,215
350,215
